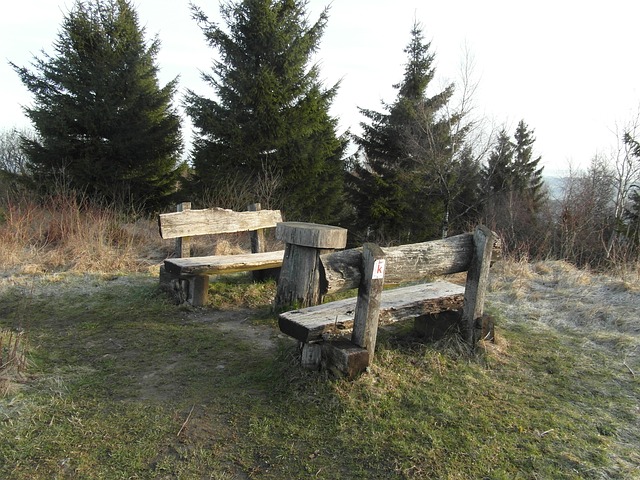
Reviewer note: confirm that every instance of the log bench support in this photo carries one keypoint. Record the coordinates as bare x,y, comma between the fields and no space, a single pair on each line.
476,285
182,288
299,284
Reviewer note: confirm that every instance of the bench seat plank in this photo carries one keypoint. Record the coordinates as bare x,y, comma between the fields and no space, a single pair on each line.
309,324
217,264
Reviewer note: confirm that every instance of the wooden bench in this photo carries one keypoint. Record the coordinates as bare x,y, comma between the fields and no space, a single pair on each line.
187,278
320,329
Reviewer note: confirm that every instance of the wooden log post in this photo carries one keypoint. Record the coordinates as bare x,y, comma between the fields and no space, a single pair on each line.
198,290
257,236
179,287
476,286
183,244
365,321
300,277
258,245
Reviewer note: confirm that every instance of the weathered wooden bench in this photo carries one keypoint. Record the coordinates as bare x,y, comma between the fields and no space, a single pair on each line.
320,329
186,277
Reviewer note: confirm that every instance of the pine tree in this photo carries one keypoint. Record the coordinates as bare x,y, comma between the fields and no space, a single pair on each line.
400,183
631,219
527,175
270,114
513,186
464,191
498,173
14,171
512,168
630,223
102,121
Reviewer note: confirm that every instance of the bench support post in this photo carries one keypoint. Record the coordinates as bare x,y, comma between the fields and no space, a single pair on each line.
258,245
476,286
198,290
183,244
300,278
365,322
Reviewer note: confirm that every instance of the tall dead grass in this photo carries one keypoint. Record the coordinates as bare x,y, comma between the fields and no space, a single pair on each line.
67,232
558,293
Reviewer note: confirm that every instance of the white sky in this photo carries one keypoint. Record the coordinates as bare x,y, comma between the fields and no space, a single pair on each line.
569,68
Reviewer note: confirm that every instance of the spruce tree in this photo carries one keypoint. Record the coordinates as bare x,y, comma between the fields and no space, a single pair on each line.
512,169
270,118
103,123
526,171
631,219
498,173
630,222
463,191
513,187
404,167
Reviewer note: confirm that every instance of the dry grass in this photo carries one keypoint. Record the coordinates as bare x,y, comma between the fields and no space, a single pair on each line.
555,295
591,298
67,233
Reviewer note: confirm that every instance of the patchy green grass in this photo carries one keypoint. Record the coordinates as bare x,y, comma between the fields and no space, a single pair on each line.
123,384
239,291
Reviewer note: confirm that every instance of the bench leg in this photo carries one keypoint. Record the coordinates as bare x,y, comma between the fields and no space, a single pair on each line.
191,289
174,285
198,290
343,358
311,355
476,285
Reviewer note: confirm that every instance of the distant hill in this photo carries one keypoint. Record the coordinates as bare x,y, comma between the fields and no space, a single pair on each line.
555,185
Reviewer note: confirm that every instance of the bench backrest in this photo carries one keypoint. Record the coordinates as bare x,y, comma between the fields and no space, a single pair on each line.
405,263
470,253
185,223
189,223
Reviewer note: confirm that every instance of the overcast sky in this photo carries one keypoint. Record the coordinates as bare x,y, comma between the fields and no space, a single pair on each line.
568,68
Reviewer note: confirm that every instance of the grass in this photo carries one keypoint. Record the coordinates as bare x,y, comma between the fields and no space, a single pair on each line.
126,385
117,382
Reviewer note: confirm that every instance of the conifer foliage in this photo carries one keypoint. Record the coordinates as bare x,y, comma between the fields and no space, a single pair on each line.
513,185
103,123
269,121
513,169
410,157
631,220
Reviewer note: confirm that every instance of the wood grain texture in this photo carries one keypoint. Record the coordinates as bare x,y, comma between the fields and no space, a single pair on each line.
365,322
344,358
405,263
214,221
310,324
312,235
477,283
183,244
299,281
217,264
